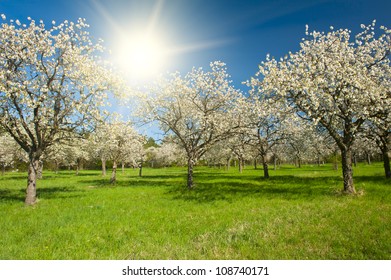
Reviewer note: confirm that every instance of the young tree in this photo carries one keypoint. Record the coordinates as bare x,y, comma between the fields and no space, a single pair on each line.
197,109
268,124
169,153
51,84
219,154
71,153
239,146
117,141
334,81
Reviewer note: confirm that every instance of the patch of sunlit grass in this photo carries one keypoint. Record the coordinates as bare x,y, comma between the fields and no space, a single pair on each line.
295,214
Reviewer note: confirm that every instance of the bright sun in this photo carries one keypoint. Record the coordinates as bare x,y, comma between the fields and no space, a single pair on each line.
140,56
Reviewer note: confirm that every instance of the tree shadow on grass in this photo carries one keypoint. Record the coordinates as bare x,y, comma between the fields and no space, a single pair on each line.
7,195
212,187
59,192
128,182
230,188
19,195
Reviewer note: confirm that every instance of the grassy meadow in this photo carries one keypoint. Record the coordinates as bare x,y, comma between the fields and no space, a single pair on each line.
296,214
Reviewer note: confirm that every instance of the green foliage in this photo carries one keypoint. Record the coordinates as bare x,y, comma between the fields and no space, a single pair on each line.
296,214
150,143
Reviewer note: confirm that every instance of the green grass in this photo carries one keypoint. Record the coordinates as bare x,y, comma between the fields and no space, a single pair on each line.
296,214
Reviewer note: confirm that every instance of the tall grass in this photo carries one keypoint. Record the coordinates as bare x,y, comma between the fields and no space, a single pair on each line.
296,214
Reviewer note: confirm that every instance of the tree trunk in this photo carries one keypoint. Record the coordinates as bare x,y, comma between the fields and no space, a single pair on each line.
140,171
113,178
2,169
228,163
79,165
368,158
31,191
190,166
40,169
103,167
265,167
347,171
123,167
240,165
355,160
275,163
386,161
255,164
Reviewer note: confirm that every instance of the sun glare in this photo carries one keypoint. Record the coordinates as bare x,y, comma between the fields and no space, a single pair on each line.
140,56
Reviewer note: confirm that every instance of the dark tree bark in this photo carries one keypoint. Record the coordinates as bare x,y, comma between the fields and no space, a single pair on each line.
347,171
298,161
140,171
31,191
386,162
265,167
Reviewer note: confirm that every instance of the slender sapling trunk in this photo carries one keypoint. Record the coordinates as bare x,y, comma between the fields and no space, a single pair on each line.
113,178
190,166
103,167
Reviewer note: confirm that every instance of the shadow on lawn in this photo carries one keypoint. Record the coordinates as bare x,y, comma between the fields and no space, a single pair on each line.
42,193
12,195
136,181
282,187
212,187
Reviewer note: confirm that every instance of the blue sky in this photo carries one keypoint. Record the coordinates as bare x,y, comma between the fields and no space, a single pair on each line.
239,33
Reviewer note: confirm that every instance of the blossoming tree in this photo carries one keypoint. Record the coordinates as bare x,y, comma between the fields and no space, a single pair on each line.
51,84
119,142
268,124
334,80
197,109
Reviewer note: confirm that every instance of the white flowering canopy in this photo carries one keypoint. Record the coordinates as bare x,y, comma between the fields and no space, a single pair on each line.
199,109
51,86
51,81
334,80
